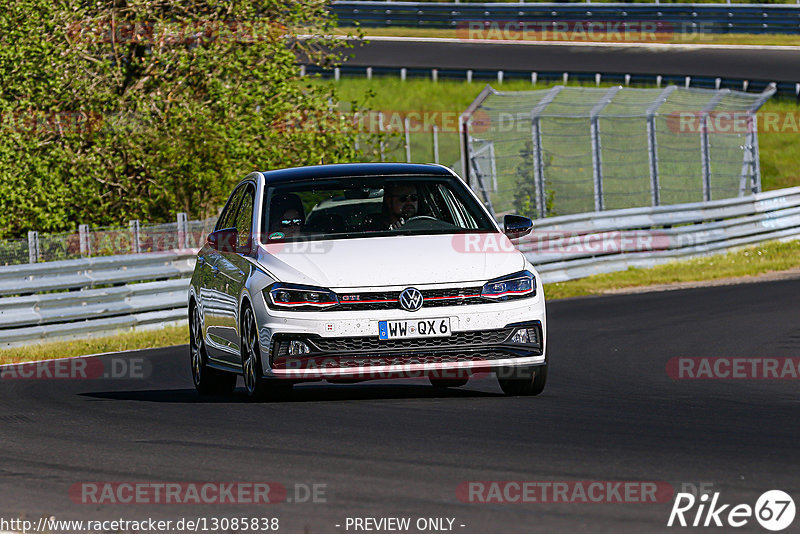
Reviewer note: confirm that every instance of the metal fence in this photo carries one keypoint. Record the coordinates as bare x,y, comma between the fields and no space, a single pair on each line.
571,150
105,241
93,296
673,18
575,246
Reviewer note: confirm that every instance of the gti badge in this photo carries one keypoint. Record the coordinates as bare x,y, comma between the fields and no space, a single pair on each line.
411,299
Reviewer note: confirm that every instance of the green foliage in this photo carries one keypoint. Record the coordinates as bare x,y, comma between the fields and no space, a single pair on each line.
117,110
525,192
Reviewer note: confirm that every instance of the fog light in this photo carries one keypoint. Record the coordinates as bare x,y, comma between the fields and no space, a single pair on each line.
297,348
524,335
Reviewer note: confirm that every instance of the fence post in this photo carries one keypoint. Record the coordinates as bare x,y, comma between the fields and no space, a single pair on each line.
381,144
747,177
33,246
83,235
463,131
435,144
357,127
183,231
753,133
493,164
407,134
597,161
536,142
136,245
756,188
652,145
487,197
705,152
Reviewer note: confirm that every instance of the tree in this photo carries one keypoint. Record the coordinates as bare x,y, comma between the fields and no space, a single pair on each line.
115,110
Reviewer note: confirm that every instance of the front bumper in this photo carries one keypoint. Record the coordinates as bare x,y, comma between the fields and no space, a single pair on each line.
345,345
367,357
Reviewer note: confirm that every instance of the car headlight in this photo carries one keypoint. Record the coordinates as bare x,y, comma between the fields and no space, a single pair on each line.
296,297
517,285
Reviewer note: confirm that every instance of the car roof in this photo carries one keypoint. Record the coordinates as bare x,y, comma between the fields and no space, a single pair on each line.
341,170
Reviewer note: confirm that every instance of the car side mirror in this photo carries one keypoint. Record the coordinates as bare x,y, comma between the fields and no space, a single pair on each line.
224,240
515,226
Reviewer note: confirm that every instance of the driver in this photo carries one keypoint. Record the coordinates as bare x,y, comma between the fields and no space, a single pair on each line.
400,203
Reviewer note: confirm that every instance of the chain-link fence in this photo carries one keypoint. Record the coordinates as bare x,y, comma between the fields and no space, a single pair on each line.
570,150
106,241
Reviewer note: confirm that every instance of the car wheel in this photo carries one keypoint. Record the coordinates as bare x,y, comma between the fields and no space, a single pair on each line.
519,381
448,382
207,381
257,387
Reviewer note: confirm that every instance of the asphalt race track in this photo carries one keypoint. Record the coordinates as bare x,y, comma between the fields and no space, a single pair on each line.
725,62
610,412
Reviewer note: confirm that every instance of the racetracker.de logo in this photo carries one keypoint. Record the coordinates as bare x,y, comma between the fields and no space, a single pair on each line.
564,242
92,368
733,122
733,368
413,121
584,31
573,491
177,493
109,31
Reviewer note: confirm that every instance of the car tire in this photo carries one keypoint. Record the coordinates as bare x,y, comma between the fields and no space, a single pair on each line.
207,381
257,387
442,383
526,381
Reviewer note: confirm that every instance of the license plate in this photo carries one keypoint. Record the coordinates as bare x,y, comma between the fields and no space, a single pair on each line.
414,328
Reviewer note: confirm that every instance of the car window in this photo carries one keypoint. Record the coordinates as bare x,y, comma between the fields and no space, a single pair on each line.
371,206
227,217
244,215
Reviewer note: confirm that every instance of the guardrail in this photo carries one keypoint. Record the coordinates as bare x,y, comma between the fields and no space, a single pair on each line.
678,18
75,298
574,246
95,296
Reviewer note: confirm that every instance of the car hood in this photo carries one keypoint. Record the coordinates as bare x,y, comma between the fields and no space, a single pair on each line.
389,261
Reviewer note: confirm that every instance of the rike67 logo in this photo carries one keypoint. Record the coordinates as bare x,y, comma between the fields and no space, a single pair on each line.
774,510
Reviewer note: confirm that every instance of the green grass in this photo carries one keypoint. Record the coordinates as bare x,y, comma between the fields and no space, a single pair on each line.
766,39
780,152
767,257
170,335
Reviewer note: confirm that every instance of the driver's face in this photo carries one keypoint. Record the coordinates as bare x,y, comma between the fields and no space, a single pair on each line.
404,201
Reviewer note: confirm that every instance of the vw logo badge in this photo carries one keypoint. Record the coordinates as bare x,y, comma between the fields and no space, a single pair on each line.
411,299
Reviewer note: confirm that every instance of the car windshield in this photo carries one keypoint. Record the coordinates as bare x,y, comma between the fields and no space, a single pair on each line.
369,207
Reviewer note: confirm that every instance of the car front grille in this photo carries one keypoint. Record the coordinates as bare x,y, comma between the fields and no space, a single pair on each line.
372,343
390,300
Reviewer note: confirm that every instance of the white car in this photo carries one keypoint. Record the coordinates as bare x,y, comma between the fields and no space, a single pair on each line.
362,271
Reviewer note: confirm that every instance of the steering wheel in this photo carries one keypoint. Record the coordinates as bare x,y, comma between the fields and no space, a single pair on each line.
420,218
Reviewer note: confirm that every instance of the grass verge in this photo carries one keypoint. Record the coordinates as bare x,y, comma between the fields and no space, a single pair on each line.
767,39
751,261
145,339
767,257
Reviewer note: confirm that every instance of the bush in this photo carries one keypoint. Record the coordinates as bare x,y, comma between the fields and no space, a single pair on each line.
114,111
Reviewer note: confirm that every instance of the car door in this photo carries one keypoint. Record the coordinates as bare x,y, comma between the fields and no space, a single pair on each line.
217,302
233,268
